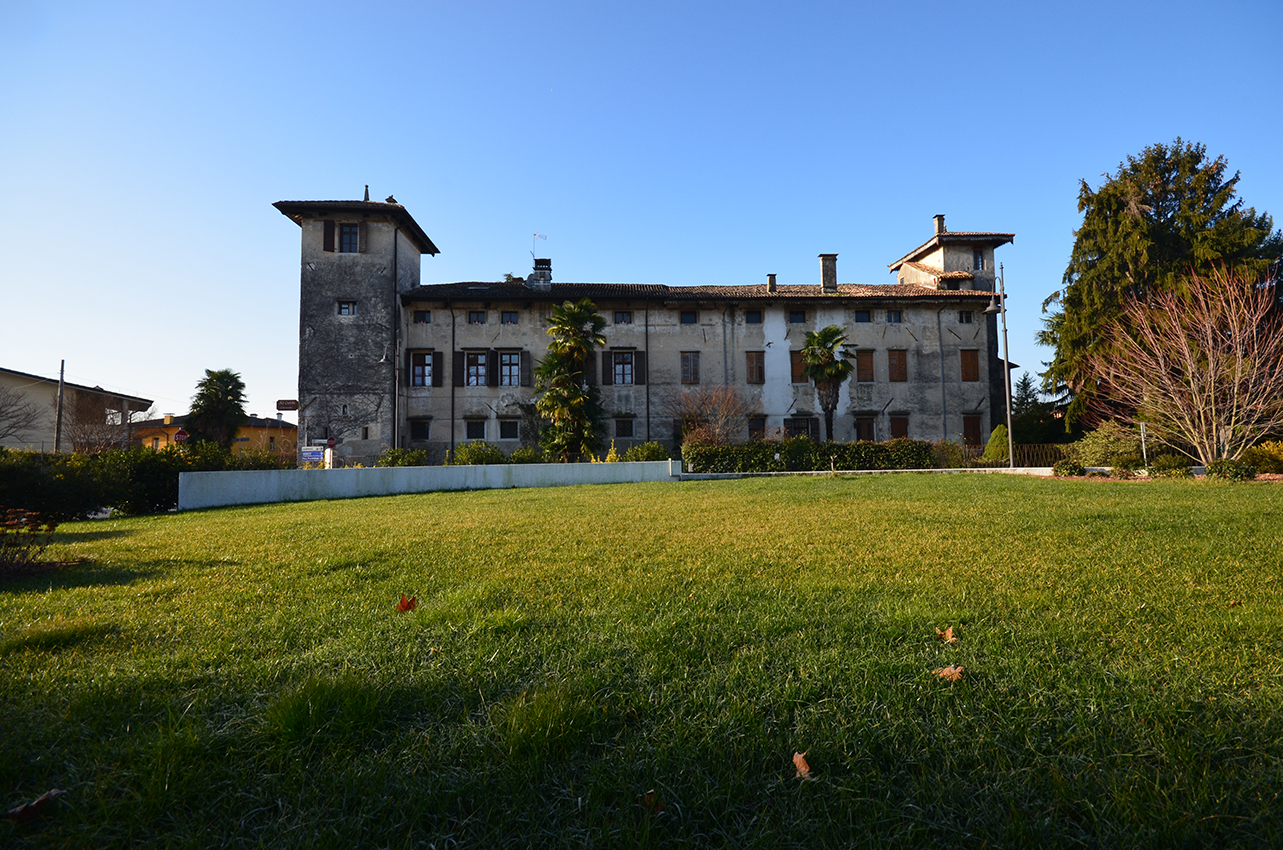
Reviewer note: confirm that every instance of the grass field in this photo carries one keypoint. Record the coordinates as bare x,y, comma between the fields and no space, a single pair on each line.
242,677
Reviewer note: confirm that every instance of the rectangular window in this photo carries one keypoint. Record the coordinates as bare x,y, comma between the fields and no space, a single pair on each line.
421,368
757,427
510,368
864,367
899,427
508,317
898,365
978,260
964,317
422,317
863,316
623,317
419,429
347,308
690,367
894,317
624,428
349,241
690,317
476,317
475,364
802,426
509,429
271,444
970,364
622,366
753,317
864,428
797,367
365,432
755,367
476,429
797,317
971,430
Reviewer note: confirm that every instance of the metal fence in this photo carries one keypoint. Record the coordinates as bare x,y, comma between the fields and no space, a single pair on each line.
1027,454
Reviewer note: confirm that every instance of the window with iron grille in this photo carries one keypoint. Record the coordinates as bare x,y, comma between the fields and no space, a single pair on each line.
419,429
510,368
509,429
797,317
475,364
476,429
624,428
864,427
898,365
802,426
864,367
755,367
690,317
690,367
970,364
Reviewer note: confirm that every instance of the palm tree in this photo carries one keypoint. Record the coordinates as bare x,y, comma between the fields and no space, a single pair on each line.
827,367
218,408
569,402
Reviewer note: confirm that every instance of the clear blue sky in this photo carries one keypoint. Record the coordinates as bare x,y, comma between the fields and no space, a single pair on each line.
142,146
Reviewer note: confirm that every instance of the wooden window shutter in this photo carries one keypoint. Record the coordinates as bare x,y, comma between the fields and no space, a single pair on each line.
814,425
798,367
970,365
607,368
437,369
590,369
328,242
527,369
492,368
639,367
458,368
362,234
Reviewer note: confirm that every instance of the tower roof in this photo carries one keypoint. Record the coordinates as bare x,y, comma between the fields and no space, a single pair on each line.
297,211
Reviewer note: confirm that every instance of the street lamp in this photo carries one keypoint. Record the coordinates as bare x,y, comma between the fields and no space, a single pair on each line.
998,304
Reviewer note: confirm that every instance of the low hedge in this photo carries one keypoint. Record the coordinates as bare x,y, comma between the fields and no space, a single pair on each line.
801,454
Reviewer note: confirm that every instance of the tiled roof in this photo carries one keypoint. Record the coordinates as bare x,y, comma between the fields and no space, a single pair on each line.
296,210
251,421
135,402
942,275
973,236
480,291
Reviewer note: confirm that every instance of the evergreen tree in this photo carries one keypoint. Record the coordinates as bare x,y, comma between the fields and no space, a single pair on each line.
827,367
218,408
1167,213
570,404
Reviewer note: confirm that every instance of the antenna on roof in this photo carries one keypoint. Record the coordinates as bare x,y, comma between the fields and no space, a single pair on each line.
532,243
367,193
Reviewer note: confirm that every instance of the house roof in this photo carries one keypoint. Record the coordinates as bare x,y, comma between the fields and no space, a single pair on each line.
135,402
482,291
251,421
299,210
957,274
973,237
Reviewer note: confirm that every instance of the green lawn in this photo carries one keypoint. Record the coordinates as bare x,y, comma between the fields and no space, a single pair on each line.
242,677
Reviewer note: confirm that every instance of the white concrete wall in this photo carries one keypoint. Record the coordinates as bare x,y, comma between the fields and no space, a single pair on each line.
216,489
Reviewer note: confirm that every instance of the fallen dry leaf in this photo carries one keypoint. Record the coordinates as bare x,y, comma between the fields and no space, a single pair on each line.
30,811
651,803
951,673
803,769
946,635
1235,603
407,604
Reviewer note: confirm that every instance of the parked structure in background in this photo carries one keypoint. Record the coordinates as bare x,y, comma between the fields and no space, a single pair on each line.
93,419
265,434
387,361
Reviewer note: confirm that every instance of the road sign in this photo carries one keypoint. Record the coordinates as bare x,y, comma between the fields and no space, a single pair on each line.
313,454
287,404
329,444
180,436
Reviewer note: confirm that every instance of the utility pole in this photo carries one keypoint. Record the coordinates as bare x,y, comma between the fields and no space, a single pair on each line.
57,425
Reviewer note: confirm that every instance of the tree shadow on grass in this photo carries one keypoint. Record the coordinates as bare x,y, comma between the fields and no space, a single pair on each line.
62,536
67,575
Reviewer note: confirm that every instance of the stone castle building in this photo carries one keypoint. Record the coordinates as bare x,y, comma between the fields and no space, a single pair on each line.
385,360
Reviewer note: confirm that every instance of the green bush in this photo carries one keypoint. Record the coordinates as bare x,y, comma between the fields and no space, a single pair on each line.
648,451
1104,445
1231,470
1067,468
800,454
402,457
477,452
948,455
526,454
1169,466
996,448
1266,457
1127,462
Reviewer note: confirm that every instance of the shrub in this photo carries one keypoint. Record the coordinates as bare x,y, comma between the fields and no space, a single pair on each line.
23,537
1067,468
1169,466
996,448
1231,470
647,451
1127,463
526,454
478,452
1266,457
948,455
1102,446
402,457
800,454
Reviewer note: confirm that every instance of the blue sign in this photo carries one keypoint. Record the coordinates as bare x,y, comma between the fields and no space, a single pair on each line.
313,454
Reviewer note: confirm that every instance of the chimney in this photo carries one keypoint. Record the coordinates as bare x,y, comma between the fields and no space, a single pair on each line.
939,223
169,419
770,283
280,417
541,277
829,274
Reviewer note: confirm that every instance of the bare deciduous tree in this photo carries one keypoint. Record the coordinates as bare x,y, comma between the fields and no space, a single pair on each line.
96,422
1203,368
719,413
19,415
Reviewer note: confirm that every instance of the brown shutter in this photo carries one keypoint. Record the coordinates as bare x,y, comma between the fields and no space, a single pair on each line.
970,365
328,244
409,372
797,366
458,368
815,428
639,367
437,369
526,370
362,234
590,369
492,368
607,368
